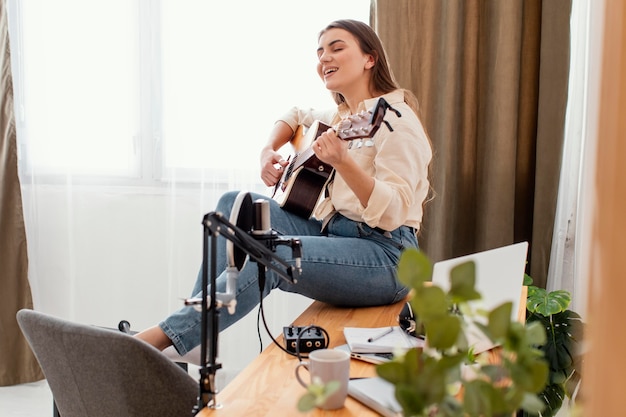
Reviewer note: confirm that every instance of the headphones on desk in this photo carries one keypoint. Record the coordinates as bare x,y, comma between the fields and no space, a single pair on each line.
408,323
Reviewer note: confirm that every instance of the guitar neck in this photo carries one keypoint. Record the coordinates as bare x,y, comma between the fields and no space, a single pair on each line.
357,126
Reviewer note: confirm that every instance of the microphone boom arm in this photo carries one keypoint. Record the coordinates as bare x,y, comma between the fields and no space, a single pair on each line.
216,224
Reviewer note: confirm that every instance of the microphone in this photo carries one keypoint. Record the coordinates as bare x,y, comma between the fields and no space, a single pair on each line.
261,228
262,223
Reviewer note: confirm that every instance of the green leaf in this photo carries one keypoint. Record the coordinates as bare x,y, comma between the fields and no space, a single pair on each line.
317,394
442,333
528,280
463,281
394,372
539,375
432,380
494,372
429,303
414,268
532,404
547,303
500,321
552,398
403,369
476,398
410,399
450,407
330,388
535,334
450,362
531,376
306,402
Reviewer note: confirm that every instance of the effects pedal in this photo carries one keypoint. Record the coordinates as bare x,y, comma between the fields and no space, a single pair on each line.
309,338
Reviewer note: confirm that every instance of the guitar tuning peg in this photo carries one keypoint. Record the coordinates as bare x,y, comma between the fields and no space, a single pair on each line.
344,124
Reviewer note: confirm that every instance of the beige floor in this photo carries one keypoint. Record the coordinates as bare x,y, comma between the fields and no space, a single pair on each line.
26,400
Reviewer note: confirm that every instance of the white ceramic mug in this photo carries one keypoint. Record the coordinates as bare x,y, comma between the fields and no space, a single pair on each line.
328,365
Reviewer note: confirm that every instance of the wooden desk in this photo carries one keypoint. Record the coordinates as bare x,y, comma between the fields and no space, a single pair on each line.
268,386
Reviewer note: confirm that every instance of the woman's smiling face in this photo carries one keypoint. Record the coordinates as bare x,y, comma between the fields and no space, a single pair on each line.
342,65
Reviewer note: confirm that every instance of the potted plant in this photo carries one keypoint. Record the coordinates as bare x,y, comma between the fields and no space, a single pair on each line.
563,346
446,378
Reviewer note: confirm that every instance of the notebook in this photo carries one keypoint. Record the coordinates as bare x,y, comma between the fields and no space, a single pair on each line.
379,339
499,279
377,394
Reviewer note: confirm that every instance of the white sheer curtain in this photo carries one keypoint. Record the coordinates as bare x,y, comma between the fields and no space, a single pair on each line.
133,117
569,261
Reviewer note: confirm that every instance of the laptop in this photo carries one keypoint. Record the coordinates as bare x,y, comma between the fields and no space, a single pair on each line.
375,358
499,279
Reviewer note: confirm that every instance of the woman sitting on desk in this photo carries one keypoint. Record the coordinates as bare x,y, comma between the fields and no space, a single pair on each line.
373,210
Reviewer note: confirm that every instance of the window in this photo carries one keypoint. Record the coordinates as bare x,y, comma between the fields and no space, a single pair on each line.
154,90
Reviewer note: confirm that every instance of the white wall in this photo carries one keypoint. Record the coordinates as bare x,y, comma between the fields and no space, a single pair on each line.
102,254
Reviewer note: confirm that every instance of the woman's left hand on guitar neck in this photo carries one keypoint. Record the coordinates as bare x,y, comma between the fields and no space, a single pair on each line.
329,148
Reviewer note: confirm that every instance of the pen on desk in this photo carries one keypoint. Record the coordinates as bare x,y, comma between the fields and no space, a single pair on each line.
378,336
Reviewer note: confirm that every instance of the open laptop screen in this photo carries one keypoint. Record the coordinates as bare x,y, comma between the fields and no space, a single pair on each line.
499,278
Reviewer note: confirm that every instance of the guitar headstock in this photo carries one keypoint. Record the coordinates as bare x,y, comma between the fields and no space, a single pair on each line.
365,124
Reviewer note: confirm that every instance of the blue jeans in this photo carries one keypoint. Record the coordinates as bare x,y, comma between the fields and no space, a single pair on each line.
353,265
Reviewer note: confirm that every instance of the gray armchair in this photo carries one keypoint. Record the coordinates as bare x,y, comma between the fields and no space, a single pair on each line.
98,372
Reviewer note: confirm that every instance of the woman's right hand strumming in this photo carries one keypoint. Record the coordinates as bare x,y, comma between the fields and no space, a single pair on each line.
272,163
272,166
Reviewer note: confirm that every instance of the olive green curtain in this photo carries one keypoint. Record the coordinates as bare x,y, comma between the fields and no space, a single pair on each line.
492,78
17,363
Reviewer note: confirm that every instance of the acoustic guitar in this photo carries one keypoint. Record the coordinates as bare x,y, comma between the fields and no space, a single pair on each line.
306,176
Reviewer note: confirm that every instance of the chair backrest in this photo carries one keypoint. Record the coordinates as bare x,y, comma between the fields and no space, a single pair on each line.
93,371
